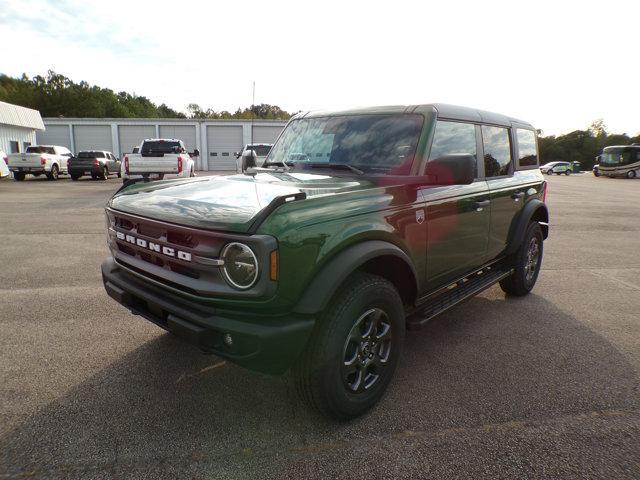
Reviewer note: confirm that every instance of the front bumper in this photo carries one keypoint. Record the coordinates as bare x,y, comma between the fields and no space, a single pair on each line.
263,342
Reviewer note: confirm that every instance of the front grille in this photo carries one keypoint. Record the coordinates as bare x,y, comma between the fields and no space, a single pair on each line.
177,238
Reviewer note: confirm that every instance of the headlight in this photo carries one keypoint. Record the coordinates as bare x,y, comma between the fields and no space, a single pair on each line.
240,267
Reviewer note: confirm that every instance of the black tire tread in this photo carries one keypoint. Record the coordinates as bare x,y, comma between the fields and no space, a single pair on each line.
306,379
514,284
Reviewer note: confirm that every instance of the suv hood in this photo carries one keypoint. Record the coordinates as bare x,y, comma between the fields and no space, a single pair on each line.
229,203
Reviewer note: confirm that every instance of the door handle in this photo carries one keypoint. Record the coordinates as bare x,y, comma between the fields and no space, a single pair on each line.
517,195
480,205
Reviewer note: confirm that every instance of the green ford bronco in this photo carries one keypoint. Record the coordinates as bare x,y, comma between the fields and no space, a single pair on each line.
361,225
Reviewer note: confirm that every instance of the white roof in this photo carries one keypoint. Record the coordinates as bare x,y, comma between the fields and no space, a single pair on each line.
20,116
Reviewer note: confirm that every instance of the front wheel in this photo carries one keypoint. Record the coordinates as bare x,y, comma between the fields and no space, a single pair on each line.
526,263
567,172
54,173
354,349
631,174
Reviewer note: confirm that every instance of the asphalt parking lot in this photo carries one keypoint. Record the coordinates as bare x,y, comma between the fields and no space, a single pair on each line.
545,386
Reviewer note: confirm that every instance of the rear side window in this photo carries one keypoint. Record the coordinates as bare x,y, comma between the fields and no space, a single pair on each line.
527,152
497,151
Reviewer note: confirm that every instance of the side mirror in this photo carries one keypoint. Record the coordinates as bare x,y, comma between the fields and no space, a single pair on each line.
196,153
237,154
455,169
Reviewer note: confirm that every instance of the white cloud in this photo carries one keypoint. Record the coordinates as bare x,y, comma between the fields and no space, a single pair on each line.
559,65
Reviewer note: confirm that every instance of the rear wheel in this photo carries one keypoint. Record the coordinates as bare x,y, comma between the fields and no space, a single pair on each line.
54,173
567,172
18,176
105,173
631,174
354,349
526,263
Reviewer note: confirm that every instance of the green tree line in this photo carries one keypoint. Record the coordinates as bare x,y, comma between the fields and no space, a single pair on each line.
581,145
55,95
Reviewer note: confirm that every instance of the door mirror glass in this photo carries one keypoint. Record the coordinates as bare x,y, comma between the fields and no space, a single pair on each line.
453,169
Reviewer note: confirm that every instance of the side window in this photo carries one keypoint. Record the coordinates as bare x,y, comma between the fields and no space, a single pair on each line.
497,151
527,152
453,138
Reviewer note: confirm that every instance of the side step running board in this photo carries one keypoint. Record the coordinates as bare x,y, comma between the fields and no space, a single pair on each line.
456,293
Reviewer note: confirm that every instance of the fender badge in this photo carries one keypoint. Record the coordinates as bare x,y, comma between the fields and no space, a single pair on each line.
420,216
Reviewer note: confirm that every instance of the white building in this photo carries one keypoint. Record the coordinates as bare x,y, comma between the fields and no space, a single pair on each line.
18,127
217,140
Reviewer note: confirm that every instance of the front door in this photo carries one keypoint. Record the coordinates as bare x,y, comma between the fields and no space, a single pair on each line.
457,216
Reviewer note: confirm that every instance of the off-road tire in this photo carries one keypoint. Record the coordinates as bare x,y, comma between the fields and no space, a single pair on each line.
522,280
19,176
318,374
54,173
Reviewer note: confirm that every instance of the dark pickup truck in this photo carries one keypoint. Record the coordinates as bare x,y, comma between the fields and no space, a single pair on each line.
97,163
362,226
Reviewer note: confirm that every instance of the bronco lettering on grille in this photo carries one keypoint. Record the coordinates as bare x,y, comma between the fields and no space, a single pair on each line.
155,247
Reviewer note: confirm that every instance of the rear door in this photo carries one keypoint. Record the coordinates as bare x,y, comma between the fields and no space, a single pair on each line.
457,216
507,190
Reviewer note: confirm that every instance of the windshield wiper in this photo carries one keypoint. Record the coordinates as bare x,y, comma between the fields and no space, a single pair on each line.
336,166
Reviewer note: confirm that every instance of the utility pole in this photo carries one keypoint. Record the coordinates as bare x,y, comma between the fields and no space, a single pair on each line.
253,114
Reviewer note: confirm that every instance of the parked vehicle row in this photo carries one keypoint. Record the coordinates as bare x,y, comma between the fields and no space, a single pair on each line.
155,158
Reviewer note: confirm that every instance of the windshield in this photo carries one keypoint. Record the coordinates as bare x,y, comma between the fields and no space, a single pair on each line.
39,149
260,150
371,143
160,146
91,155
613,157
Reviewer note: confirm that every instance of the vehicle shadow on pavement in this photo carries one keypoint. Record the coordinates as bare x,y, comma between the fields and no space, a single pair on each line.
166,405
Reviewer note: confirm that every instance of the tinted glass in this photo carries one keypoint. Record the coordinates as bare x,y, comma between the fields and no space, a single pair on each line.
161,147
91,155
612,156
39,149
527,153
497,151
371,143
453,138
260,150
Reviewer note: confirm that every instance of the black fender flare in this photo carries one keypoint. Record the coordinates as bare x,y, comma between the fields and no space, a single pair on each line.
327,281
533,209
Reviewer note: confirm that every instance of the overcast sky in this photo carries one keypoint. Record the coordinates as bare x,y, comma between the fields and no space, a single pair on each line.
557,64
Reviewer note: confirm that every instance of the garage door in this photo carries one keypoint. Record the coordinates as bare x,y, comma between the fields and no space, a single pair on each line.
54,135
133,135
186,133
265,134
222,142
92,137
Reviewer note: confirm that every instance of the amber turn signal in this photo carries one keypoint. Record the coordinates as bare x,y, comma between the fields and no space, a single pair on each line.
273,265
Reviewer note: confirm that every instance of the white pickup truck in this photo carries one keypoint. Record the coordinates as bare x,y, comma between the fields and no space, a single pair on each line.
38,159
158,158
